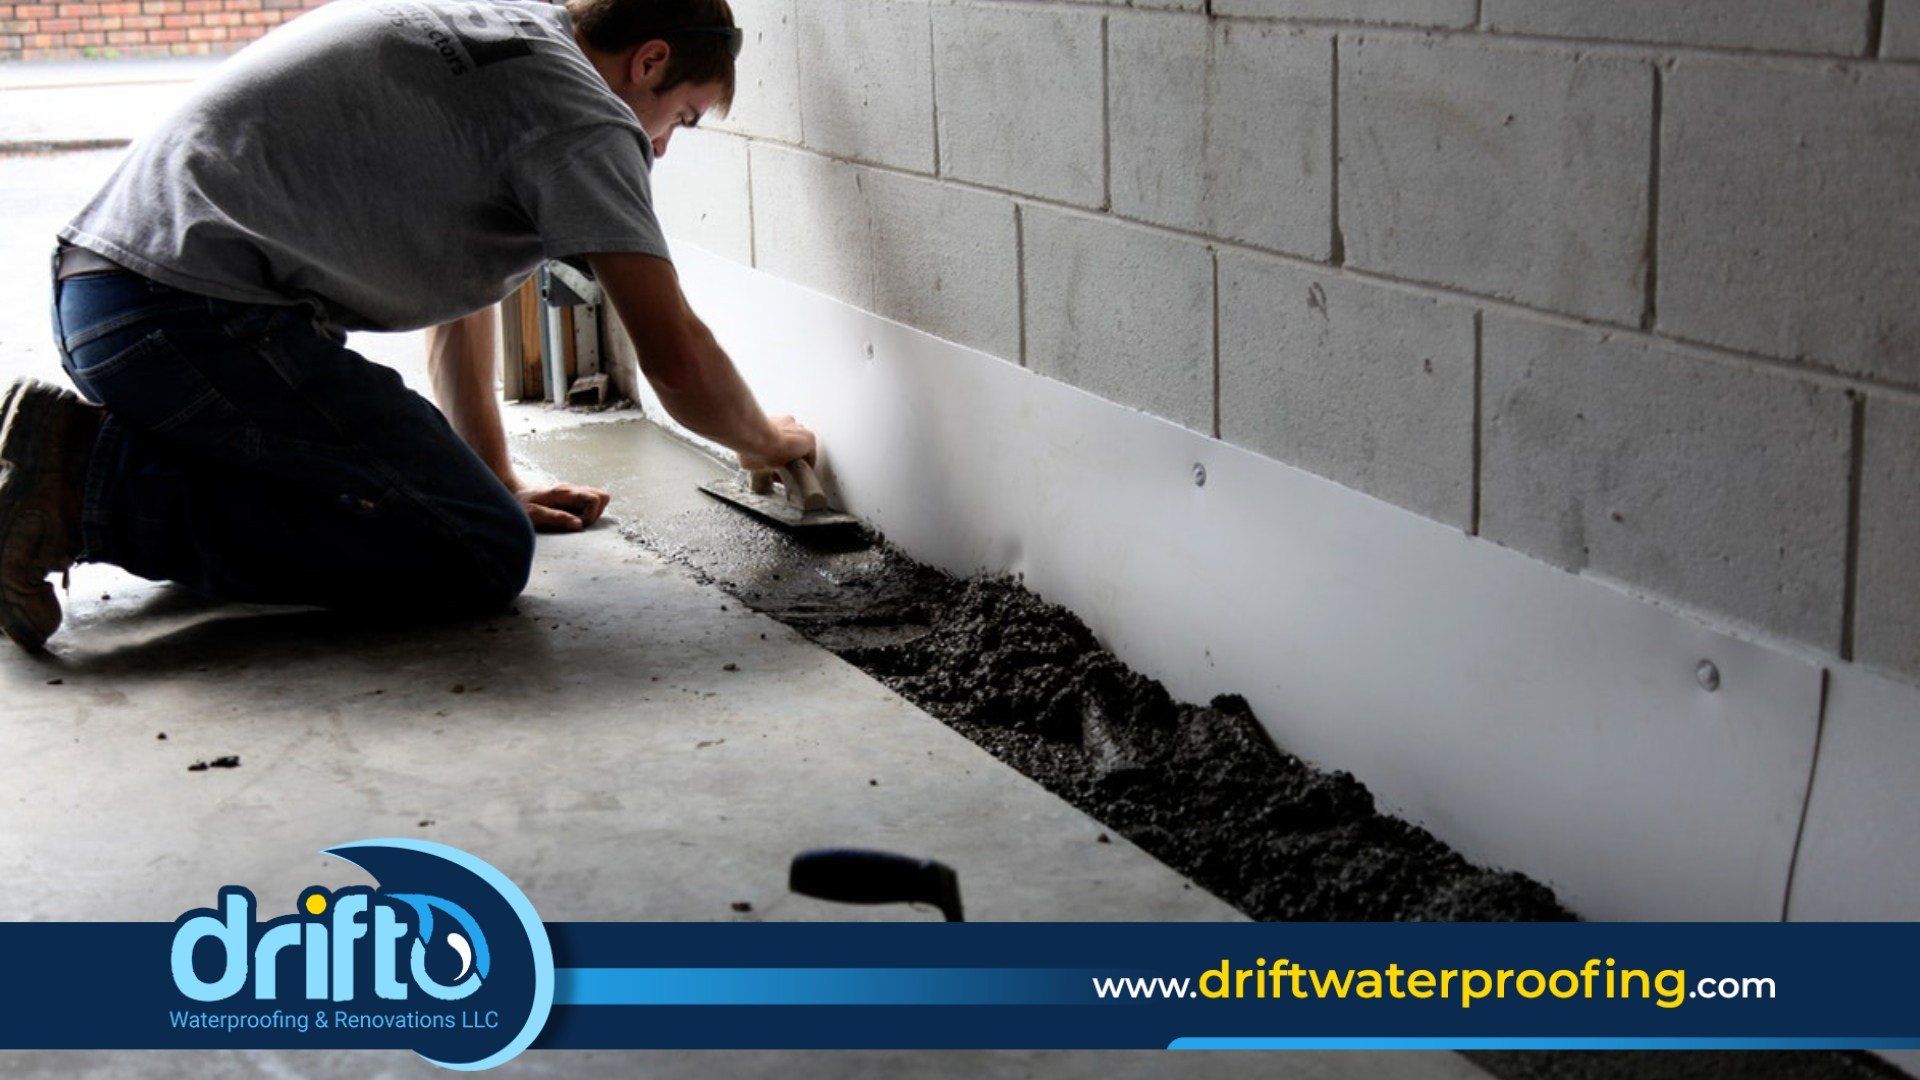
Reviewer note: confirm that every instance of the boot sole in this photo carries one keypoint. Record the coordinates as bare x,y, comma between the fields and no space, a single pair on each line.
22,447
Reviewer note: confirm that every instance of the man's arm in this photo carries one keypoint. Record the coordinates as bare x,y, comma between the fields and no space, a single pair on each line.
686,367
460,361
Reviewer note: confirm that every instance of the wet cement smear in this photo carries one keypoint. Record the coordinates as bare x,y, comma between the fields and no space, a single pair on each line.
1201,787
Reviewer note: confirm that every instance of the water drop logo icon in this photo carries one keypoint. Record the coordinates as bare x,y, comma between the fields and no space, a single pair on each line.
478,941
467,943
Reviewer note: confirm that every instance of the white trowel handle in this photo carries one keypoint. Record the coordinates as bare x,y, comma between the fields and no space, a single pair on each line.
803,487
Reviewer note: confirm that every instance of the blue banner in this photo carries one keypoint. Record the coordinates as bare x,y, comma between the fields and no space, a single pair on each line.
447,958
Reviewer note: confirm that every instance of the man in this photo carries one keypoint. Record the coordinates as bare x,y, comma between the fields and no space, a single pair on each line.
374,165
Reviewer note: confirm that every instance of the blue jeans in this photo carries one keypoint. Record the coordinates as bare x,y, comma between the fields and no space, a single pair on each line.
251,456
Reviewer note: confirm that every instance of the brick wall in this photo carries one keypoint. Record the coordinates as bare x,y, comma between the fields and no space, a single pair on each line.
1632,287
67,30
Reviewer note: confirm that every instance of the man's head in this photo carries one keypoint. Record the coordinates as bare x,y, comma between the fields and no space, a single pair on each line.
671,61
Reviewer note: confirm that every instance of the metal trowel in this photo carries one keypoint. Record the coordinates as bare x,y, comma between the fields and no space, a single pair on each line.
800,503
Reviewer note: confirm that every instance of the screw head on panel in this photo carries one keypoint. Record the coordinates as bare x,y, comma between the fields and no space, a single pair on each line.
1709,675
1199,475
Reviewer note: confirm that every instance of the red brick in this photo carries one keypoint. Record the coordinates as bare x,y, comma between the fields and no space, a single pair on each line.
127,37
59,26
34,11
78,11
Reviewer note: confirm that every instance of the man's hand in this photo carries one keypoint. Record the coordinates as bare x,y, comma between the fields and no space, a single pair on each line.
787,442
563,508
689,371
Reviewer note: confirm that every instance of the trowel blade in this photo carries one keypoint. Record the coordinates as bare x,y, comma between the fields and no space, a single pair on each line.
776,509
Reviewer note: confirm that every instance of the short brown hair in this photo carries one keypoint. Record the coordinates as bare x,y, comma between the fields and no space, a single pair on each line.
615,25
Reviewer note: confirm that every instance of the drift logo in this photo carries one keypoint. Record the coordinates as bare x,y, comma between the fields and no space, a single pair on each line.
328,946
446,956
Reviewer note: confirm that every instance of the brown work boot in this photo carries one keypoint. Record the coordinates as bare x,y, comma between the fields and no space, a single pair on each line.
46,438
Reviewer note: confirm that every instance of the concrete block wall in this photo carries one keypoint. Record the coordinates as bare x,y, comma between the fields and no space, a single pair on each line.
1629,287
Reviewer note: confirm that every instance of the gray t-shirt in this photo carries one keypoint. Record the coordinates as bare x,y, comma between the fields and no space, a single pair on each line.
396,163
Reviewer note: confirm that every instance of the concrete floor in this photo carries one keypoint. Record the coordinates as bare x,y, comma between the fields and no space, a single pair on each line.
592,745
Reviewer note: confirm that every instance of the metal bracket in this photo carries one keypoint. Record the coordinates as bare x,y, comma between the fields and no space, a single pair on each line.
562,288
567,287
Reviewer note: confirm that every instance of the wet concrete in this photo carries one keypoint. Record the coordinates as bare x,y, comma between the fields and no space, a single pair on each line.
1200,787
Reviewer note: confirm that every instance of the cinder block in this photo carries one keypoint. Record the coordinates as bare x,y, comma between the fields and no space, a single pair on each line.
1887,620
1021,100
767,102
1225,129
1820,26
1392,12
1516,173
700,193
1368,386
930,255
1786,223
1900,32
866,80
946,260
1717,486
1122,312
810,222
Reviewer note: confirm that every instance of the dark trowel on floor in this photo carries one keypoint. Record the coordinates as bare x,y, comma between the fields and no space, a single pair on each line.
789,497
